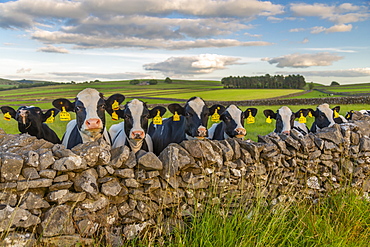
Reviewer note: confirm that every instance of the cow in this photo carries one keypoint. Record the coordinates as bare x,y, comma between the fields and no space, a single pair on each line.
285,120
31,120
232,122
324,117
350,113
89,125
133,131
191,124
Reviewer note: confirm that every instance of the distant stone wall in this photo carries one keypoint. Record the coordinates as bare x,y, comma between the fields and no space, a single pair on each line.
75,195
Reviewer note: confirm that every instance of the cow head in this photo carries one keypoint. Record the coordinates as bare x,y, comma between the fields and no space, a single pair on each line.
89,107
136,115
29,117
285,118
233,119
196,115
324,117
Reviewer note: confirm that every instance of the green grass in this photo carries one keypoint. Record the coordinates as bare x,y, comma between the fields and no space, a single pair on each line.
235,94
341,219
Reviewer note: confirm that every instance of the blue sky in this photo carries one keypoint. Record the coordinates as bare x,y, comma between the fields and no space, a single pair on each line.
190,39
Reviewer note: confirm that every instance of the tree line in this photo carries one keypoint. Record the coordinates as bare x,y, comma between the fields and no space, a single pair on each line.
266,81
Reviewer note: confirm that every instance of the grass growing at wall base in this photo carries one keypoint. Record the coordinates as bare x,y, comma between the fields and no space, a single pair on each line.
341,219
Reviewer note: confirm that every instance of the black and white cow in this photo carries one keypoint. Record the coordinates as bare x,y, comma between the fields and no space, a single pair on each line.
232,122
89,125
324,117
31,121
285,120
133,131
191,125
350,113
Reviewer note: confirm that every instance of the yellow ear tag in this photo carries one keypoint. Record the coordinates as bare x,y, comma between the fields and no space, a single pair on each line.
7,116
51,118
309,114
64,115
176,117
336,114
302,119
157,119
250,118
215,117
114,116
115,106
268,119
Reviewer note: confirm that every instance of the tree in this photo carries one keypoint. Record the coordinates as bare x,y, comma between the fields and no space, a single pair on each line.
311,86
134,82
168,80
153,82
334,83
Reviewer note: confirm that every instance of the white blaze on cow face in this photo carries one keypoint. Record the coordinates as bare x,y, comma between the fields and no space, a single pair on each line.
286,115
328,113
236,114
136,108
197,104
90,99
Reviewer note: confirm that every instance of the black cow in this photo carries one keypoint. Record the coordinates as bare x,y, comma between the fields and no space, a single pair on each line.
324,117
192,124
285,120
232,122
31,121
135,126
89,124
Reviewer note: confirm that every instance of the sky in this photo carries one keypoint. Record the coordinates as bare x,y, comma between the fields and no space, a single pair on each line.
86,40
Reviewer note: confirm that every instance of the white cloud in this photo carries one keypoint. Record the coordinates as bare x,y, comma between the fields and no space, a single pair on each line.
192,65
136,23
298,60
332,29
53,49
23,70
83,76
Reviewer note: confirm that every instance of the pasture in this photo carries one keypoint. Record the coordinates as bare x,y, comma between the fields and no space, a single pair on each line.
339,220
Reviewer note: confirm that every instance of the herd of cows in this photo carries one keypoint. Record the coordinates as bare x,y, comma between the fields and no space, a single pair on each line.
188,122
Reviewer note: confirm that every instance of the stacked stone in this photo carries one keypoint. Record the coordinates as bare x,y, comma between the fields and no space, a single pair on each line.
92,190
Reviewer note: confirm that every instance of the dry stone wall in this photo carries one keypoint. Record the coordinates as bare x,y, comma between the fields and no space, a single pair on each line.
75,195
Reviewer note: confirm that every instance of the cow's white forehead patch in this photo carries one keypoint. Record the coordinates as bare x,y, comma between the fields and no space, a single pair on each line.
197,104
328,112
285,114
136,108
89,96
235,114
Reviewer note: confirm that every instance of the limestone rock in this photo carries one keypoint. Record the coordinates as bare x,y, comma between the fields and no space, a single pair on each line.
11,167
150,162
57,221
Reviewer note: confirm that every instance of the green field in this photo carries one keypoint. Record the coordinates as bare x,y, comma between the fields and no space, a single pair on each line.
178,92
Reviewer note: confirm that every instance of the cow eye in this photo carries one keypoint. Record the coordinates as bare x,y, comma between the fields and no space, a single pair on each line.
188,114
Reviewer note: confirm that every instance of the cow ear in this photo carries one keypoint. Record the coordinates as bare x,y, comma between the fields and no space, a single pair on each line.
153,112
269,113
313,113
109,102
253,111
303,111
6,109
48,113
60,103
337,108
176,108
220,109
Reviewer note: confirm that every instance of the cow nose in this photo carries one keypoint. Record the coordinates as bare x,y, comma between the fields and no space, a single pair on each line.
202,131
137,134
241,131
93,123
286,132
